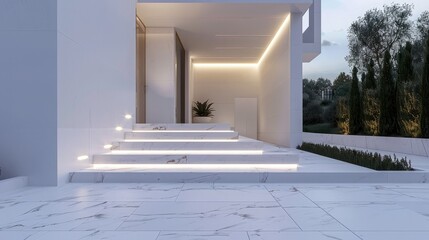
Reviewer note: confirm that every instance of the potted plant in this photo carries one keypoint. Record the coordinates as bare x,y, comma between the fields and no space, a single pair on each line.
203,112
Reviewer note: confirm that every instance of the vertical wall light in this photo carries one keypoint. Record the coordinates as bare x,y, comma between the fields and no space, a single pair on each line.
82,158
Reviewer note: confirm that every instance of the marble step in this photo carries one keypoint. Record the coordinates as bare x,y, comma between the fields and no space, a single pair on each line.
256,175
214,145
183,127
222,157
180,135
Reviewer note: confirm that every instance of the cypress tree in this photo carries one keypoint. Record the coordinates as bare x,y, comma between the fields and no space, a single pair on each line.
405,64
370,77
388,112
405,77
355,120
424,116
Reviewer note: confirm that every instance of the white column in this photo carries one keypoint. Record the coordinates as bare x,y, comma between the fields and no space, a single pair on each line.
160,75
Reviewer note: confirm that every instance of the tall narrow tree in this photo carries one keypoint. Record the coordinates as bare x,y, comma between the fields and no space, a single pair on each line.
388,112
355,121
363,80
405,64
424,116
370,82
405,93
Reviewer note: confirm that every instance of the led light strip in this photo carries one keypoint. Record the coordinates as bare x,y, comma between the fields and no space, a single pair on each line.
187,152
182,131
180,140
264,55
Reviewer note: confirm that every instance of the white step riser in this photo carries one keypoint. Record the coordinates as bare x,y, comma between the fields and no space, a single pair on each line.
181,135
197,159
192,127
241,177
188,146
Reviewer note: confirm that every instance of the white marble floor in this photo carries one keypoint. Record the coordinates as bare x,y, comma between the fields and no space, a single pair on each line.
216,212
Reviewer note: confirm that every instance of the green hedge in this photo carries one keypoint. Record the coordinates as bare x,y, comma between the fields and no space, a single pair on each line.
365,159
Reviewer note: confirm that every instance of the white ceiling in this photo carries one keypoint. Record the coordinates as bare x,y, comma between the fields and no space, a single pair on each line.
221,32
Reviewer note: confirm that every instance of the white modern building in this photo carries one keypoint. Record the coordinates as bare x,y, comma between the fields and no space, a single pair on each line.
76,74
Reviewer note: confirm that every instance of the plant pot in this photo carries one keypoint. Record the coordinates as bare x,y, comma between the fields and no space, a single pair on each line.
202,119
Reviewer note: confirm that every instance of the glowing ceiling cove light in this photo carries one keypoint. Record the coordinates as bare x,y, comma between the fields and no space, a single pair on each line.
226,65
82,158
275,39
272,43
108,146
119,128
128,116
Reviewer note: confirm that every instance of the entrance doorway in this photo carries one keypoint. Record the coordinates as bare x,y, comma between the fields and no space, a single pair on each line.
180,81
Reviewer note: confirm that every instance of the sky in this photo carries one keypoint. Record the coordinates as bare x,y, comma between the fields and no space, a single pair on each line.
337,16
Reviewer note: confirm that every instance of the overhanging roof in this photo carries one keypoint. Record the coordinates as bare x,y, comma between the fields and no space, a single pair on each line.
221,31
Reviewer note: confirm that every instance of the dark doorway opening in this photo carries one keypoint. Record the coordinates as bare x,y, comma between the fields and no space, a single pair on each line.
180,81
140,71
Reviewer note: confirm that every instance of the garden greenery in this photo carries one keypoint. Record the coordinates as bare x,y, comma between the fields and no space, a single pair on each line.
365,159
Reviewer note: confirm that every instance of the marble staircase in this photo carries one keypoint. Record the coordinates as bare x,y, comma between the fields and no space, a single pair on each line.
186,153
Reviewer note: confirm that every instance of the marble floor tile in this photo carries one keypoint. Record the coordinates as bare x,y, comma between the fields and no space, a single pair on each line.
17,235
314,219
350,192
139,192
74,235
418,193
68,192
209,216
302,236
98,192
198,235
224,192
289,196
110,217
393,235
376,216
47,216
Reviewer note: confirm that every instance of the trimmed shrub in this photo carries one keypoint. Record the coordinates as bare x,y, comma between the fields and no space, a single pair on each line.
365,159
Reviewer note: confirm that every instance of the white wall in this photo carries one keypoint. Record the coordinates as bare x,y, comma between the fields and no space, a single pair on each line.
28,91
414,146
160,75
222,85
96,77
280,97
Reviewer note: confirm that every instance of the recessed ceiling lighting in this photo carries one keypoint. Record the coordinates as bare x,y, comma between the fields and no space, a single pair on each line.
128,116
119,128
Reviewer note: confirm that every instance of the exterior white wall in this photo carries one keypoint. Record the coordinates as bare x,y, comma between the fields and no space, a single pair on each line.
280,97
96,77
221,85
414,146
312,37
160,75
28,91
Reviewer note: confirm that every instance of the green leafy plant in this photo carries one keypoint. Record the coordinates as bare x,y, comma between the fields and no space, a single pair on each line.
204,109
365,159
